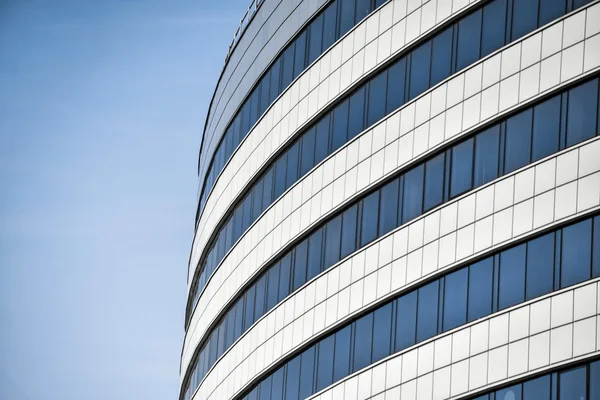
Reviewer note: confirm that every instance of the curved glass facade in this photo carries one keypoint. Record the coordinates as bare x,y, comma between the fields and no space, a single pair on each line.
228,345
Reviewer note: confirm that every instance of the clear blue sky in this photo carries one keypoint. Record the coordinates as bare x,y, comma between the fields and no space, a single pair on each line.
102,105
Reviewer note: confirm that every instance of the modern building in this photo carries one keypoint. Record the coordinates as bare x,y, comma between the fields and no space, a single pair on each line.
400,200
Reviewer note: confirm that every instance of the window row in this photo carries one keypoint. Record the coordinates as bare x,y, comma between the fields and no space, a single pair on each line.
330,24
475,291
469,164
570,383
402,81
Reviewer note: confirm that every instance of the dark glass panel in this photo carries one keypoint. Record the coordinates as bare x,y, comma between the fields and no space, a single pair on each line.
308,151
412,200
300,54
395,89
581,119
518,141
277,384
285,276
546,127
388,207
257,194
537,388
322,142
370,211
329,16
259,303
595,380
462,168
340,126
325,364
434,182
275,80
480,289
377,94
469,36
572,384
551,10
249,309
253,395
264,98
524,17
382,333
341,365
540,266
346,16
349,231
265,388
510,393
494,22
427,311
300,260
267,197
280,174
292,381
239,318
315,39
363,339
307,371
486,156
273,286
596,249
287,70
357,109
332,243
512,277
455,299
419,70
576,253
441,56
292,165
315,255
363,8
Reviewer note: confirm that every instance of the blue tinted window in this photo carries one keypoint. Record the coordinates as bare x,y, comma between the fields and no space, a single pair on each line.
265,388
277,384
300,259
341,366
257,200
307,371
340,126
434,182
332,243
480,289
382,334
300,54
540,266
546,125
287,70
363,7
572,384
419,70
455,299
525,16
551,10
249,309
518,141
346,16
581,120
329,25
388,207
512,277
369,218
427,311
280,175
268,189
486,156
253,395
576,253
413,194
259,303
537,388
292,379
395,89
264,98
308,152
441,56
292,165
595,380
315,244
363,338
273,286
239,316
322,142
376,103
285,274
325,369
469,35
511,393
462,168
494,21
275,75
349,231
357,109
315,39
596,249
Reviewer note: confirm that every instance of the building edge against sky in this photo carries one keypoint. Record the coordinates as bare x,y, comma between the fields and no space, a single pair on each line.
400,199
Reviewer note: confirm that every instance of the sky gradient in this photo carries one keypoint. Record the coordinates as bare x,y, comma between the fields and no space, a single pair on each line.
102,105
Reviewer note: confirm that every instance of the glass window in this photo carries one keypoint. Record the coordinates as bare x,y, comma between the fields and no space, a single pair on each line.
581,119
363,338
434,181
346,16
419,70
525,16
395,89
340,126
455,299
292,165
325,365
307,371
264,98
537,388
259,303
546,126
332,243
576,253
280,175
480,289
257,193
349,231
267,189
486,156
595,380
253,395
239,315
275,76
357,109
322,141
572,384
512,277
382,333
273,286
292,379
388,207
441,56
427,311
265,388
363,8
249,309
315,255
596,249
285,276
315,39
287,70
308,151
329,25
277,384
551,10
510,393
462,168
540,266
370,210
300,259
377,95
469,36
518,141
494,21
412,200
341,365
300,53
